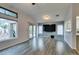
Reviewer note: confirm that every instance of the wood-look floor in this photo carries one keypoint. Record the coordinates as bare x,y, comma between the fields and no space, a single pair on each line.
40,46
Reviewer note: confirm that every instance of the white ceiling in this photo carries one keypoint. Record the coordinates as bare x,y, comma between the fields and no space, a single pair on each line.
37,11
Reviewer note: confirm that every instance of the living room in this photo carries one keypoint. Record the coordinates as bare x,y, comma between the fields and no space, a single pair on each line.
25,22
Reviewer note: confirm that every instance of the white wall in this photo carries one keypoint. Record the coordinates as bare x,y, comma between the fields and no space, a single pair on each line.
70,37
23,23
75,10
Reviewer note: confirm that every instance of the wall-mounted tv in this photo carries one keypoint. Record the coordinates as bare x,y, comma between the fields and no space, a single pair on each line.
49,28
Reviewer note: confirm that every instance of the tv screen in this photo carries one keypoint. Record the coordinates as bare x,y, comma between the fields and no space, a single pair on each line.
49,28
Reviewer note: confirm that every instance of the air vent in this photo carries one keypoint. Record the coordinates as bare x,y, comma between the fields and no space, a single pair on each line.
57,15
33,3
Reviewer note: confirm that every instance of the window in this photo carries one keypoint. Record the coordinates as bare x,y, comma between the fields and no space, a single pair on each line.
8,29
68,25
8,12
60,29
40,29
77,23
34,30
2,10
30,31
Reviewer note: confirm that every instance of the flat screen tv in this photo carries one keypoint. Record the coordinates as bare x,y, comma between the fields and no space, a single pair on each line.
49,28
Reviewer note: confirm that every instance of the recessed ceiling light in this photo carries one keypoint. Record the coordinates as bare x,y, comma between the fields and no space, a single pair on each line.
46,17
77,17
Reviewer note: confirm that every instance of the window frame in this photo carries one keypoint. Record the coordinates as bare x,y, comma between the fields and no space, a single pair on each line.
31,32
59,28
9,11
16,29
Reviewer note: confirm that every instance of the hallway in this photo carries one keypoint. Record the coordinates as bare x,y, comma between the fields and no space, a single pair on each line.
41,46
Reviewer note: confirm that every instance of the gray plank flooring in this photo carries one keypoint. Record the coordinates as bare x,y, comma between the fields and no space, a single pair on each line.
40,46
